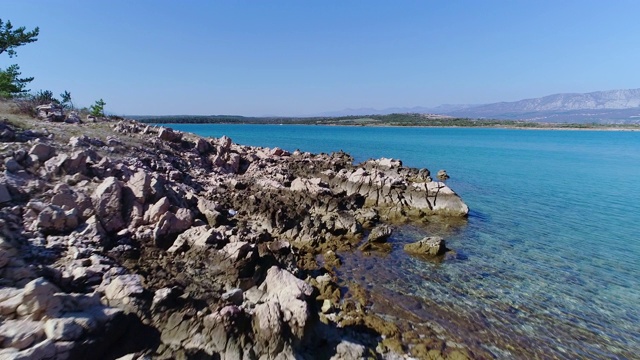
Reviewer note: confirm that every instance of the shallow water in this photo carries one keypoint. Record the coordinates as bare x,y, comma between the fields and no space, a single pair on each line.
548,262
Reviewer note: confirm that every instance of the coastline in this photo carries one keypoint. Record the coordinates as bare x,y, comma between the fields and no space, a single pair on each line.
92,211
551,128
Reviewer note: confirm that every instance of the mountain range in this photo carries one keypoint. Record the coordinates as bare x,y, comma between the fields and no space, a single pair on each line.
613,106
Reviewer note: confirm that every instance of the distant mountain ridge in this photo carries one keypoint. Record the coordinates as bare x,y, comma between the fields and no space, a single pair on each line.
613,106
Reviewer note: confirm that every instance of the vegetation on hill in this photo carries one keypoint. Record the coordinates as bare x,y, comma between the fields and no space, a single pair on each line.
371,120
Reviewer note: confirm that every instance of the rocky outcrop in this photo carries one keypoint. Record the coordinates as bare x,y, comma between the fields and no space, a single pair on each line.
200,247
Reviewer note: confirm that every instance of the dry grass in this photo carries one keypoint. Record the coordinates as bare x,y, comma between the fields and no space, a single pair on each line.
62,131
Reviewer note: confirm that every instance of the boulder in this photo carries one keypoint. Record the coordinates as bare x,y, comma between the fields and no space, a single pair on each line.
107,202
203,146
42,151
268,327
167,134
124,286
53,219
348,350
157,210
380,234
429,246
12,165
212,212
4,194
291,294
73,118
51,112
171,223
197,236
237,250
63,329
442,175
38,300
20,334
140,185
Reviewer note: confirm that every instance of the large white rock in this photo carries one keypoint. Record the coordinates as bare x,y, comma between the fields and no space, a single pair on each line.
65,329
107,201
291,294
38,300
20,334
124,286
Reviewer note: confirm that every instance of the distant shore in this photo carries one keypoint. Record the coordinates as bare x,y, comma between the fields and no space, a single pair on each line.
394,120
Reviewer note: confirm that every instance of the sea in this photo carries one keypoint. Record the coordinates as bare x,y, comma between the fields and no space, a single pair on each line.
547,264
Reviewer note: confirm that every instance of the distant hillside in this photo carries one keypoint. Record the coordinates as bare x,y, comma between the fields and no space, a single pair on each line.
610,107
615,106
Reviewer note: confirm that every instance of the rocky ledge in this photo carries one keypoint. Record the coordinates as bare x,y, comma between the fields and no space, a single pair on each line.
132,241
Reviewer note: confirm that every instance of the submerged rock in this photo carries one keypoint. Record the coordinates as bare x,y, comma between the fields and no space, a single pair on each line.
429,246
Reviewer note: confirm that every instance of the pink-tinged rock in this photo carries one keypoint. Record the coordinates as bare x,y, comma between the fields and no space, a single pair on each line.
157,210
107,202
140,185
168,134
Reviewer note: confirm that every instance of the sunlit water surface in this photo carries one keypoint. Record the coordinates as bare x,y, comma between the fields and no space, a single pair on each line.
548,263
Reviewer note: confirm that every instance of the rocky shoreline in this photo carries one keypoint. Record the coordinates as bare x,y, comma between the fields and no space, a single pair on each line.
122,240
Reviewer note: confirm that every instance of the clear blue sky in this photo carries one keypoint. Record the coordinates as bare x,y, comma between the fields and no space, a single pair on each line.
305,57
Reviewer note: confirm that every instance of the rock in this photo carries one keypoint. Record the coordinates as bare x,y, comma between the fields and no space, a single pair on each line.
50,112
168,134
203,146
12,165
197,236
171,223
348,350
389,163
6,132
327,306
4,194
291,294
73,118
140,185
76,163
38,300
53,219
157,210
237,250
442,175
20,334
310,186
107,202
380,234
268,327
65,329
124,286
211,211
163,296
42,151
233,296
429,246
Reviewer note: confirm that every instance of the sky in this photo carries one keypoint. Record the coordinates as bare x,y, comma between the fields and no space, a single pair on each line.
295,57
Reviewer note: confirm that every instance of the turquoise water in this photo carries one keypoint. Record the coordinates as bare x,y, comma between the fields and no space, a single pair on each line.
548,263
